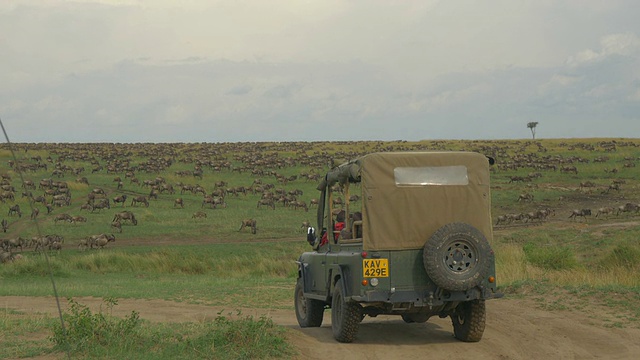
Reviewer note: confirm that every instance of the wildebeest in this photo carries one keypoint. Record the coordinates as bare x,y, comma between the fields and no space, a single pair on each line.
305,225
140,199
14,243
99,191
178,202
120,199
62,217
502,219
199,214
35,213
582,212
100,241
5,225
251,223
266,202
587,184
569,169
78,218
513,179
15,209
526,197
5,257
125,215
612,186
117,225
607,210
628,207
102,204
299,205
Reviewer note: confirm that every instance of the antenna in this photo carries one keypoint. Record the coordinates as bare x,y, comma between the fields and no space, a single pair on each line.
46,256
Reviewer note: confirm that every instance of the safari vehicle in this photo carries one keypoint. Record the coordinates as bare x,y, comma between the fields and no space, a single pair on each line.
416,243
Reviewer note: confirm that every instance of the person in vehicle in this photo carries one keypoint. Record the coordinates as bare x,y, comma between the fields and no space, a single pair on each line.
337,228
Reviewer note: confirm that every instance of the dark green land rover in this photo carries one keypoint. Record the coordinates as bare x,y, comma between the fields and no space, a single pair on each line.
413,240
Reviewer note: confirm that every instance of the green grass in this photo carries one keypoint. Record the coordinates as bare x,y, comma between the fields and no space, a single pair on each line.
565,264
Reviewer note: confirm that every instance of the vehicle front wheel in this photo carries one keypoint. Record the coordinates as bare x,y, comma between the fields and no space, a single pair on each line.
309,312
345,316
469,320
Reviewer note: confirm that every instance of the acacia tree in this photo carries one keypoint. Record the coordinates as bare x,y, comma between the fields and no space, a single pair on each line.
532,126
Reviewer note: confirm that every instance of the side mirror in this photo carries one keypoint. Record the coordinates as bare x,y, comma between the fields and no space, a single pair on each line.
311,236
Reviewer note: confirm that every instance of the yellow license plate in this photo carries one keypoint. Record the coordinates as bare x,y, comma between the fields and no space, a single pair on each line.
375,267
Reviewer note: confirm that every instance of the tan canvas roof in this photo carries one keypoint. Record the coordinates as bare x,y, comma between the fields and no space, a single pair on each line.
397,216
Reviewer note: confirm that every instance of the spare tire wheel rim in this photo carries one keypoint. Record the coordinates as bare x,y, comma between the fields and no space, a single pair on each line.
461,256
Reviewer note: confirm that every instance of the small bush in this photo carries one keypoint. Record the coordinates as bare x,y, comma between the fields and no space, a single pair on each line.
87,331
100,335
623,256
551,257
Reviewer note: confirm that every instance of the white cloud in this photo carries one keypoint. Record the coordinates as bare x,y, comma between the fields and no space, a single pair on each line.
627,44
291,69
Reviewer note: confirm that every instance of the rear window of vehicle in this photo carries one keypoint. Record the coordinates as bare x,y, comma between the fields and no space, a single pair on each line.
431,175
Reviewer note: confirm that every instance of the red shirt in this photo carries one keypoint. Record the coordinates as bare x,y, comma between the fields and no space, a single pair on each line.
338,227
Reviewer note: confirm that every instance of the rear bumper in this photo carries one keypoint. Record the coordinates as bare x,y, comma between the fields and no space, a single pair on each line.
420,298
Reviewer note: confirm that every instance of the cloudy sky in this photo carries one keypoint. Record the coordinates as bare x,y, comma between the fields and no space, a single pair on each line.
303,70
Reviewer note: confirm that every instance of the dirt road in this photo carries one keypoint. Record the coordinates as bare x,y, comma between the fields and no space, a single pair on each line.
516,329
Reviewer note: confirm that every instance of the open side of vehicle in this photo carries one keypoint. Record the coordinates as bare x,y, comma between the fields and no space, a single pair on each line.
414,241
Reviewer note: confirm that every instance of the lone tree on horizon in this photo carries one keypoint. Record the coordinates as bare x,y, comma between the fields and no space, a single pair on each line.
532,126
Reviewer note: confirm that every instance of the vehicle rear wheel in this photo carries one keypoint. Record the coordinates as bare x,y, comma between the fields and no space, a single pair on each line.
469,320
457,257
345,316
309,312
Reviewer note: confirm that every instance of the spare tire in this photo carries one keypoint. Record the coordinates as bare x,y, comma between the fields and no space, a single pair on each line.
457,257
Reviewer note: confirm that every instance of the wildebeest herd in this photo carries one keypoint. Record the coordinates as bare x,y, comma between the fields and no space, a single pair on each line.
560,180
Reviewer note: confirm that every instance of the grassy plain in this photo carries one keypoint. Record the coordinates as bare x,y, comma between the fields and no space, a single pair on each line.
566,263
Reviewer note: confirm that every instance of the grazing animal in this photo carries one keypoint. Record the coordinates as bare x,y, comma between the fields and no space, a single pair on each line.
628,207
10,244
250,223
83,244
120,199
35,213
5,225
580,213
613,186
178,202
140,199
100,241
266,202
587,184
62,217
199,214
569,169
502,219
5,257
125,215
306,225
605,211
117,225
78,218
15,209
102,204
55,246
525,197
